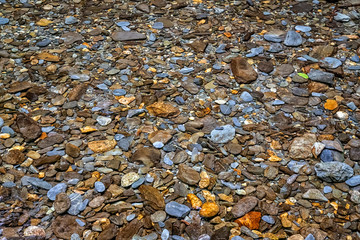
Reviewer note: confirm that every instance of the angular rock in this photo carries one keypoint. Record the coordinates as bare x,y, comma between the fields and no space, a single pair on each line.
242,70
146,155
333,171
314,194
28,127
153,196
176,209
65,226
223,134
320,76
188,175
300,147
14,157
244,206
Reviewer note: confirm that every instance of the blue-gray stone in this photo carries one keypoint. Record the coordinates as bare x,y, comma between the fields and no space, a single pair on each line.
4,21
158,145
351,105
9,184
43,43
355,67
320,76
333,171
165,234
275,48
295,166
230,185
327,189
47,129
158,25
152,37
328,155
353,181
283,22
220,49
71,20
224,135
179,100
26,180
135,112
99,187
186,70
321,126
102,86
77,204
81,223
80,77
123,24
225,109
176,209
73,181
75,236
56,152
236,122
303,28
273,37
245,96
307,57
138,183
236,238
1,122
310,237
130,217
125,143
293,39
355,58
268,219
168,161
330,62
255,51
181,128
7,129
278,102
340,17
58,188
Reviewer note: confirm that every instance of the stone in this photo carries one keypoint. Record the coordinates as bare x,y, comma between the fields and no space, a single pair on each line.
72,150
251,220
314,194
129,178
152,196
340,17
102,145
146,155
14,157
209,209
330,62
46,160
223,134
158,216
244,206
34,231
293,39
353,181
188,175
62,203
28,127
127,36
354,154
109,232
51,140
276,36
300,147
71,20
265,66
36,182
176,209
321,76
97,202
65,226
333,171
163,109
284,70
242,70
4,21
71,37
99,187
330,104
296,237
54,191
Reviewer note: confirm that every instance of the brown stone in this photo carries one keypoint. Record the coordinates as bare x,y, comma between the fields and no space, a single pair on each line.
46,160
102,145
76,93
65,226
19,87
188,175
127,232
300,147
153,196
28,127
72,150
108,233
14,157
163,109
244,206
317,87
242,70
51,140
62,203
147,155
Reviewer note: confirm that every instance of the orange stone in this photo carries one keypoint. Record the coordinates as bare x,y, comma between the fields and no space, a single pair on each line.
209,209
102,146
250,220
330,104
48,57
163,109
194,201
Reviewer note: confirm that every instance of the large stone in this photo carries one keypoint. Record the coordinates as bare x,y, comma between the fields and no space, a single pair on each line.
333,171
315,194
242,70
300,147
293,39
146,155
223,134
28,127
176,209
244,206
163,109
62,203
188,174
153,196
51,140
65,226
321,76
14,157
127,36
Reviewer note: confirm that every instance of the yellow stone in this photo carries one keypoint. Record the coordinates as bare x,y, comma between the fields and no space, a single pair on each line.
204,180
209,209
87,129
285,221
4,135
330,104
43,22
226,198
194,201
102,145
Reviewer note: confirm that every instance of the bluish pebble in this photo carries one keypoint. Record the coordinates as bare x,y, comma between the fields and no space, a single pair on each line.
318,112
1,122
255,51
307,57
162,75
43,43
283,22
351,105
303,28
123,24
56,152
331,62
268,219
152,37
99,187
327,155
353,181
158,25
65,128
7,129
310,237
327,189
321,126
138,183
237,238
54,191
275,48
81,223
165,233
161,224
356,67
179,100
149,178
47,129
217,66
158,145
4,21
168,161
236,122
234,165
225,109
102,86
181,128
124,77
186,70
245,96
278,102
70,20
119,92
130,217
118,137
9,184
220,49
248,110
176,209
73,181
355,58
75,236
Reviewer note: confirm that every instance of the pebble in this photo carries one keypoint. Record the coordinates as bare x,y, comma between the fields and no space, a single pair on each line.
58,188
99,187
4,21
293,39
176,209
223,134
71,20
129,178
353,181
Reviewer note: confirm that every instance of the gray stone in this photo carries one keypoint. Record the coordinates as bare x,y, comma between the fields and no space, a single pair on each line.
244,206
103,121
4,21
320,76
245,96
353,181
71,20
340,17
333,171
99,186
127,36
51,194
176,209
293,39
315,194
330,62
35,182
223,134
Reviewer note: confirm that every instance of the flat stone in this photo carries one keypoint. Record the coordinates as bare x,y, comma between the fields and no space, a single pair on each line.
129,178
64,226
14,157
244,206
188,175
293,39
176,209
333,171
300,147
321,76
54,191
242,70
223,134
353,181
152,196
127,36
62,203
314,194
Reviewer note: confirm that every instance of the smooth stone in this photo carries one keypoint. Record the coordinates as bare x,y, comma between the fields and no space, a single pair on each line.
127,36
340,17
314,194
303,28
225,109
293,39
99,187
268,219
71,20
129,178
51,194
327,189
275,48
176,209
223,135
36,182
320,76
245,96
43,43
1,122
4,21
330,62
275,36
353,181
103,121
